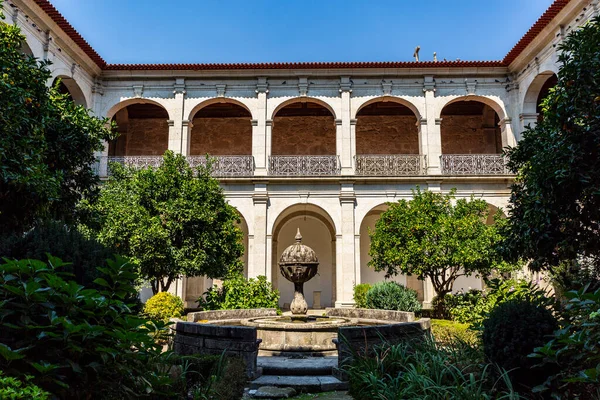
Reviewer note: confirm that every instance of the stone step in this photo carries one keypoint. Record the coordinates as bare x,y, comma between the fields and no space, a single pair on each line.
302,384
297,366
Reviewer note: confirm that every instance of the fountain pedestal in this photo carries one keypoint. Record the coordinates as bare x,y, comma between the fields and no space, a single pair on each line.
298,264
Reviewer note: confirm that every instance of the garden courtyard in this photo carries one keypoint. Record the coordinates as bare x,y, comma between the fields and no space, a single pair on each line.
138,261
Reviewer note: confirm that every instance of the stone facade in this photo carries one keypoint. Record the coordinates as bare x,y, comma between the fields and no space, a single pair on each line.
338,203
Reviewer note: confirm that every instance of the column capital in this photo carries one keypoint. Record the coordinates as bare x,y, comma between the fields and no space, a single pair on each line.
422,121
353,121
179,86
504,121
345,84
303,86
186,123
260,198
254,122
171,123
269,122
262,85
338,122
438,121
221,87
429,83
470,86
526,116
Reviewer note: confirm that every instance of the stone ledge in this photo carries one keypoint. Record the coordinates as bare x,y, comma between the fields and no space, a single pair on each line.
365,313
215,315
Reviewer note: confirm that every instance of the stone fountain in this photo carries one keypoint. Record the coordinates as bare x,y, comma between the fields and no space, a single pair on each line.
298,264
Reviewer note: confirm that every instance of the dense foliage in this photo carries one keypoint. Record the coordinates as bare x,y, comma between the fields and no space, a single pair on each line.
431,237
68,243
163,306
426,370
473,306
360,294
47,143
238,292
554,210
15,389
574,350
390,295
171,221
511,332
78,342
446,331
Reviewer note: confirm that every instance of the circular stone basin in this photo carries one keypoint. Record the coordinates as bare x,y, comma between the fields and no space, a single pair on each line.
312,334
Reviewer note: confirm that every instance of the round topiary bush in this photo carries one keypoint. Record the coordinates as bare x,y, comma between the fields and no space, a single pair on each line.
163,306
510,333
392,296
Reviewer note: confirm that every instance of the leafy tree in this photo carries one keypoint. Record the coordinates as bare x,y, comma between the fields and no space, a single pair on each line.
431,237
554,210
171,220
47,143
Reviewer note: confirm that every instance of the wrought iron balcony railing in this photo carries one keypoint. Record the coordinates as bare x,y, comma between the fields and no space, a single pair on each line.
390,164
473,164
223,166
304,165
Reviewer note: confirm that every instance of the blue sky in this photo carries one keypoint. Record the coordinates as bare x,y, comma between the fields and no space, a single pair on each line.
199,31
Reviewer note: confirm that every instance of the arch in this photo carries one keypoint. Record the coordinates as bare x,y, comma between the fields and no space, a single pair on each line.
26,49
497,107
301,209
303,128
394,99
387,127
368,274
243,225
221,128
470,126
69,86
217,100
303,100
143,128
535,89
122,104
318,232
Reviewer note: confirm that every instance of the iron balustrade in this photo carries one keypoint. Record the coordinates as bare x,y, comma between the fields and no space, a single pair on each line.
474,164
390,164
223,166
304,165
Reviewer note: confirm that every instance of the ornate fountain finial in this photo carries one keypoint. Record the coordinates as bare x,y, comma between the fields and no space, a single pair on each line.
298,236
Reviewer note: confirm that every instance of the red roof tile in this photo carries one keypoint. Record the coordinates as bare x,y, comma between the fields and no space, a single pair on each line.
541,23
535,30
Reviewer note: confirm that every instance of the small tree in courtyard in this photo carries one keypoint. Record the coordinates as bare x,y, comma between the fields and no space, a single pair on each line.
172,221
47,143
554,210
431,237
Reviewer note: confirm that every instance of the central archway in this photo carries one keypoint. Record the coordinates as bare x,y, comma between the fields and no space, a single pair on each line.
318,232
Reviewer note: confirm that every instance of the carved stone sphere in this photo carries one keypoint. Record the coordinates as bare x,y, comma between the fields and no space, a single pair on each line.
298,263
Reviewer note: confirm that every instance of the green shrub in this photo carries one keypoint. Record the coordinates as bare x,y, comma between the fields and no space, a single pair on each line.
241,293
445,331
215,377
14,389
473,306
391,295
67,243
360,294
163,306
575,349
511,332
78,342
426,370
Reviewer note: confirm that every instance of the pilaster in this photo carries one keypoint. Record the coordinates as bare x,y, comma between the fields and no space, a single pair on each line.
343,133
508,138
346,250
431,129
178,133
259,265
261,140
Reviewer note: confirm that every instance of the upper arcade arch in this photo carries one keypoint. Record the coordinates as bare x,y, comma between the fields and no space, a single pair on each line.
384,99
125,103
301,100
70,87
219,100
470,127
537,91
496,105
221,128
387,127
303,127
143,130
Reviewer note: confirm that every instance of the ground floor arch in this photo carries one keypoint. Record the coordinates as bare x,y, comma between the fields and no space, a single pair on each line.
318,232
367,273
70,87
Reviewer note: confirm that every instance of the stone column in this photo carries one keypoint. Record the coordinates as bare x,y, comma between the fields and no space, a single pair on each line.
346,260
261,141
176,125
432,132
259,256
344,136
508,138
